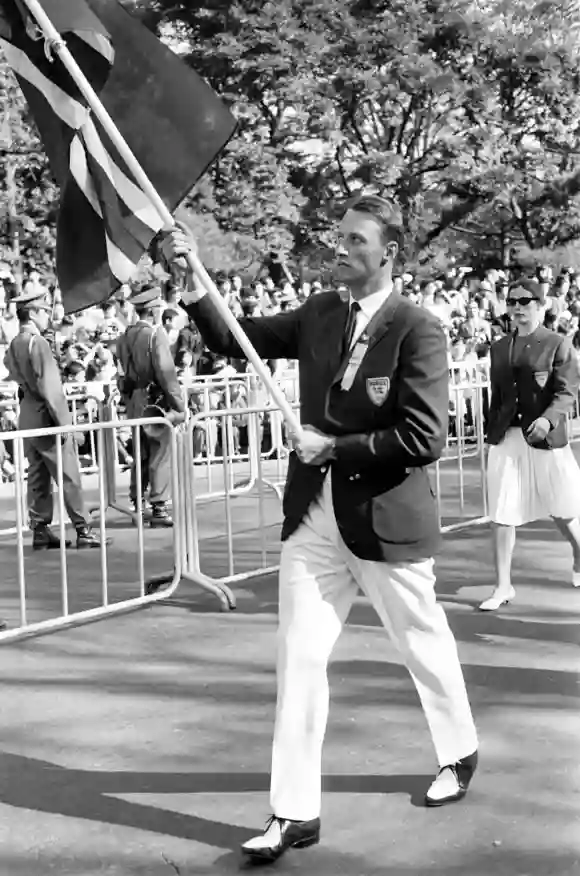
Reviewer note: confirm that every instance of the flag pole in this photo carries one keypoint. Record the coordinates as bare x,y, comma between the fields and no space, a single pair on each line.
58,45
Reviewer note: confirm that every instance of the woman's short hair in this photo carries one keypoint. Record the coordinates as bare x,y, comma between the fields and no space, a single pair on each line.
386,213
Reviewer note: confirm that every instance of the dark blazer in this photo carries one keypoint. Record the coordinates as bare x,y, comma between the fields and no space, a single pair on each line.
544,384
383,501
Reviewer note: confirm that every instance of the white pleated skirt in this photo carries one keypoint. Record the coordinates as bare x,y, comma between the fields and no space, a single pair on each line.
526,484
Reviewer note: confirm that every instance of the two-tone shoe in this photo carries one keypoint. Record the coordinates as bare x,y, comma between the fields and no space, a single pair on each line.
452,781
279,835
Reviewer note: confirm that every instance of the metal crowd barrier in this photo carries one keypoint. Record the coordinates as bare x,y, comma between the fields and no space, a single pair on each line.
237,537
250,496
245,510
104,433
460,474
83,399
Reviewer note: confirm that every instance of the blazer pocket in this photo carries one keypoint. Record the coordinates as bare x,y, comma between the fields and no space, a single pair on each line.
407,513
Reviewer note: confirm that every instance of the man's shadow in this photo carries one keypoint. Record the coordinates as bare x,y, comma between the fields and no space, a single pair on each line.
41,786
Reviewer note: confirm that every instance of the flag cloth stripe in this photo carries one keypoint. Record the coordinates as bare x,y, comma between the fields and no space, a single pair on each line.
129,219
123,226
125,229
137,202
80,172
66,107
128,233
121,266
105,221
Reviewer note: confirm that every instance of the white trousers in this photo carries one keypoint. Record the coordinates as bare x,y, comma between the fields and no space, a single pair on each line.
319,580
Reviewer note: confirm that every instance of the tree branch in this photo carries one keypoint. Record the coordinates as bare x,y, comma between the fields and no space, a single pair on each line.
404,122
524,226
342,173
352,119
455,215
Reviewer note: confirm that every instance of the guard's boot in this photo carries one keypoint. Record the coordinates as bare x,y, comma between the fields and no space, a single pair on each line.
44,539
86,538
143,512
160,516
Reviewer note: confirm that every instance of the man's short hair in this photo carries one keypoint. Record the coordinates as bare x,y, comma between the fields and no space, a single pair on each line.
23,311
386,213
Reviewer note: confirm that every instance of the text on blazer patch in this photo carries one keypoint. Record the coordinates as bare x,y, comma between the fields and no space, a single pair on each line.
378,389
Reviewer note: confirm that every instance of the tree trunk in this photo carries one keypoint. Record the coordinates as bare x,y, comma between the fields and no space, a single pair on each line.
505,249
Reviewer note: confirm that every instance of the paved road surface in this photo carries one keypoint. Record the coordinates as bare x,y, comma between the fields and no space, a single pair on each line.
140,746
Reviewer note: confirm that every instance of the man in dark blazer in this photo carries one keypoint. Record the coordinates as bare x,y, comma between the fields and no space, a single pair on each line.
359,511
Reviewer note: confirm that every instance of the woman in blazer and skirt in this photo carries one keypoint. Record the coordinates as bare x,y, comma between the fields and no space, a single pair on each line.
531,472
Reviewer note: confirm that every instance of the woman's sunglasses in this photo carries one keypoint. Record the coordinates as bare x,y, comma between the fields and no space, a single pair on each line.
511,302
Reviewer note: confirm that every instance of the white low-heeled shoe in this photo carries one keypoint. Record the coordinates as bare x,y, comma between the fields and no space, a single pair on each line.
496,600
575,578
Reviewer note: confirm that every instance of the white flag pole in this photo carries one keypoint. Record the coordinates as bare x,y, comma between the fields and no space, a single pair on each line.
58,45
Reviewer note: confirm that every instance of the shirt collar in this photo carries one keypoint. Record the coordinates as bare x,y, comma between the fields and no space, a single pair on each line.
372,303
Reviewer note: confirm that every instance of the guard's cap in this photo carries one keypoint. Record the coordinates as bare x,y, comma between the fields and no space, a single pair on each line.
532,287
150,296
36,299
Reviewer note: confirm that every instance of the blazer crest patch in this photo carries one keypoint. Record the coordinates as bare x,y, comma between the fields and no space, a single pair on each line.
378,389
541,378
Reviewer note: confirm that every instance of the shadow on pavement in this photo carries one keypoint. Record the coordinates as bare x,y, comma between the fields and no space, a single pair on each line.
41,786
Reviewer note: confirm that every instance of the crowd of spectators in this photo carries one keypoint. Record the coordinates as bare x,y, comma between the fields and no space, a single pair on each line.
472,310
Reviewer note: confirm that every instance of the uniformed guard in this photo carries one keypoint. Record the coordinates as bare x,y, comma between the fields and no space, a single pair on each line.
149,380
43,405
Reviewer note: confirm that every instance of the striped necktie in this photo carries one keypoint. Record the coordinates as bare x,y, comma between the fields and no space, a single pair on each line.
350,326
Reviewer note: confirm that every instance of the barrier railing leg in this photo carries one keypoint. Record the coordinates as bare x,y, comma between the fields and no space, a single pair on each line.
256,477
109,463
188,542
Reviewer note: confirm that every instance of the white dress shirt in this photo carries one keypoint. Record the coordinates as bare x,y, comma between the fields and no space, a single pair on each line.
369,306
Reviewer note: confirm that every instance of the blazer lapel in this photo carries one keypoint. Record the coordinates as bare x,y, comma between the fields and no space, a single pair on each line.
379,324
375,330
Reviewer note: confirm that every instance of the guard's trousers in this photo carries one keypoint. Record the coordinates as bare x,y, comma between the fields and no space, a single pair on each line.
42,470
155,467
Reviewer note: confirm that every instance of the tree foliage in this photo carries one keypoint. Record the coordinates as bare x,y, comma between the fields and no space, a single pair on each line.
29,203
465,111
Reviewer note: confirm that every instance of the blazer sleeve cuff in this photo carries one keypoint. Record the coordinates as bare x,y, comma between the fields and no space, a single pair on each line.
357,448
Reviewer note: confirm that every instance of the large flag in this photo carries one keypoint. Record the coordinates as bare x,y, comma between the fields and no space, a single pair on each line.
171,119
